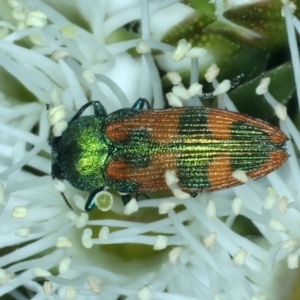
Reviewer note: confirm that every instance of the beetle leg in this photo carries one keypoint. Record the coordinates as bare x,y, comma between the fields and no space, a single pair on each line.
139,104
235,82
138,196
90,202
99,110
207,96
194,194
125,198
80,111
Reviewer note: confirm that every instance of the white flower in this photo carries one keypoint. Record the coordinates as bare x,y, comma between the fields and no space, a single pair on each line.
48,249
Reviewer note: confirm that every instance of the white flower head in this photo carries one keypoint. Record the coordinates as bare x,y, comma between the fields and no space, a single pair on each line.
52,251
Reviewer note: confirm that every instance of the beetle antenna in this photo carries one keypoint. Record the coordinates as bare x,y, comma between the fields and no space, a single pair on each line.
66,201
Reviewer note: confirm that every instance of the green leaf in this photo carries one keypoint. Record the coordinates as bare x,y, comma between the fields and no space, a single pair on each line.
258,24
281,87
248,62
204,6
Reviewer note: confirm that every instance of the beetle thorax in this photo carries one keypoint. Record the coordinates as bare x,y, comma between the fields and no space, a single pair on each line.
80,153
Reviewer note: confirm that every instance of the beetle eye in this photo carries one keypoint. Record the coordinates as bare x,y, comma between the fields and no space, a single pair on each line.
57,172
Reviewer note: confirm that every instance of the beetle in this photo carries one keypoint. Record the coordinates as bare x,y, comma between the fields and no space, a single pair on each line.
131,149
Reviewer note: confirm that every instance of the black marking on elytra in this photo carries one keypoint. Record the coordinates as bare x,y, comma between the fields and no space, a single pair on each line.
193,122
139,160
137,153
192,165
193,178
122,186
251,146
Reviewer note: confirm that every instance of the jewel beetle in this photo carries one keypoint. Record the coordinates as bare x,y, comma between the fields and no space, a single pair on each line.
131,149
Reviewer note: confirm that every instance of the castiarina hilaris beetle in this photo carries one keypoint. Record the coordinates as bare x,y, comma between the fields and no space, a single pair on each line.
131,149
